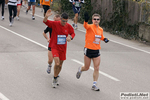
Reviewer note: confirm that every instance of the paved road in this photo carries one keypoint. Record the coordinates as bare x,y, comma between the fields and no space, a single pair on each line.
125,65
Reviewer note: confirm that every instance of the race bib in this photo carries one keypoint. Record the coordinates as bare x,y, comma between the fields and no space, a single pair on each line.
97,39
77,4
61,39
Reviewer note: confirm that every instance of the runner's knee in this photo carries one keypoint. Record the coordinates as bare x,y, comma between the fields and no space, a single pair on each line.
57,64
76,15
86,68
50,61
96,68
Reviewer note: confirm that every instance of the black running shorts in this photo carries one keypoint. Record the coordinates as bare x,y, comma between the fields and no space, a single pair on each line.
49,49
45,7
91,53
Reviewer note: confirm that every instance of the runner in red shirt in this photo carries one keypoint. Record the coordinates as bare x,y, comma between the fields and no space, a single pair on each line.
50,56
62,32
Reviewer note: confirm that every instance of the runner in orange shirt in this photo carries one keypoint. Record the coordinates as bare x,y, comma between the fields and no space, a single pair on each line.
94,34
46,5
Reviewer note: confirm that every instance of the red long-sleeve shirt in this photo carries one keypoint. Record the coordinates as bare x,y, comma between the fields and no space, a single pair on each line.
57,30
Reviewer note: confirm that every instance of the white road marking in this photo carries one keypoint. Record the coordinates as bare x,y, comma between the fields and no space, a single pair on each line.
110,40
131,47
24,37
38,15
111,77
2,97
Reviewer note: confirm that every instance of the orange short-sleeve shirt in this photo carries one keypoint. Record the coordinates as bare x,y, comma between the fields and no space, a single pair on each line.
46,2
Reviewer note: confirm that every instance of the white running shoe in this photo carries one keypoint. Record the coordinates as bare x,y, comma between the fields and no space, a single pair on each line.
5,6
78,73
26,12
17,18
42,10
33,18
49,69
55,83
2,18
10,24
95,88
12,20
75,27
25,6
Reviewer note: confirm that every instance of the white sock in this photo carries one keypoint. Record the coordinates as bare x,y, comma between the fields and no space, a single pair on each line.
49,65
94,83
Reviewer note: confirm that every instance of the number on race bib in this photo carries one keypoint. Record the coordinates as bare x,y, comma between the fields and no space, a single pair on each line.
61,39
97,39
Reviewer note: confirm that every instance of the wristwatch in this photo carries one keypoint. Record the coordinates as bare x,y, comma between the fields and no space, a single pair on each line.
71,37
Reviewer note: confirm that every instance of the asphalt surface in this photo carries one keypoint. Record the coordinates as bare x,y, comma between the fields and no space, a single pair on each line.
125,64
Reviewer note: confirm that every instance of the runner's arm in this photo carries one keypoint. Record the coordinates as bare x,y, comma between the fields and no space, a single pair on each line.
46,37
71,1
86,18
103,38
82,1
49,23
48,13
106,40
72,34
86,25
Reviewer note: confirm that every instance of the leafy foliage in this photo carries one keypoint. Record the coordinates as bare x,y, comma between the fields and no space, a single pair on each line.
118,23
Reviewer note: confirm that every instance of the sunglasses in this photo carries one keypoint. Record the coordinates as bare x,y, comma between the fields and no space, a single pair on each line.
63,20
96,19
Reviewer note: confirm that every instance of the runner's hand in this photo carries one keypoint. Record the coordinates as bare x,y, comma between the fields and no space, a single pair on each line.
68,38
48,13
106,40
48,40
86,17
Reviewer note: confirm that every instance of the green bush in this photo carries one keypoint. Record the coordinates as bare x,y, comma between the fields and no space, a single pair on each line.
118,23
56,6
